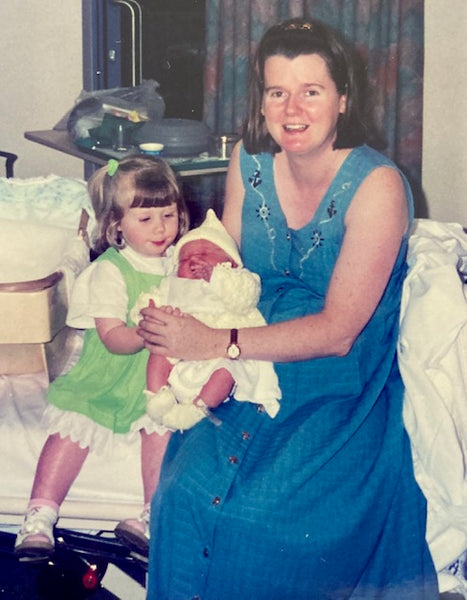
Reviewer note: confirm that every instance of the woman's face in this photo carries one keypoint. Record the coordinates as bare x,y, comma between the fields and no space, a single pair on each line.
301,104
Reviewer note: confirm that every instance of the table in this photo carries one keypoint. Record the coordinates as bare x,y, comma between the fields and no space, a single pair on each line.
185,166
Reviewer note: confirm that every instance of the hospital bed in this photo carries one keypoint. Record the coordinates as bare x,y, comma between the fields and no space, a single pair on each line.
432,354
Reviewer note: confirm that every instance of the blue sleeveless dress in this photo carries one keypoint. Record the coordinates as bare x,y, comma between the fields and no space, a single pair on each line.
320,502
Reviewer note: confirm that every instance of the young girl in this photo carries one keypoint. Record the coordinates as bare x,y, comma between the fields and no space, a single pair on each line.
140,214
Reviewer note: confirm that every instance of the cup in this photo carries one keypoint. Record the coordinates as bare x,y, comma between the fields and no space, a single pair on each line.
121,139
152,148
222,145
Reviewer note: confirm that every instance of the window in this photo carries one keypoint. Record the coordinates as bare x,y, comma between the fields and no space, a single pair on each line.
126,41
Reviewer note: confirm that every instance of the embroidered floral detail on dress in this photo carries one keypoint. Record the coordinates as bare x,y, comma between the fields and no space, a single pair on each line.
263,211
316,238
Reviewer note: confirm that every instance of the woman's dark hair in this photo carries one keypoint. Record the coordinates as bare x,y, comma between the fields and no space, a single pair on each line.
296,37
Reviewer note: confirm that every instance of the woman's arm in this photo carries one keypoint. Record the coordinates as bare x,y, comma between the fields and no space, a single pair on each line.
375,224
234,194
117,337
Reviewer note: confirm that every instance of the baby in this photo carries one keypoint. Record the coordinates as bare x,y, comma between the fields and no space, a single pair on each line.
212,285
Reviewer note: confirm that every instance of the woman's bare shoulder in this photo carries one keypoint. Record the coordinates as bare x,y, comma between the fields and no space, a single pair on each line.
234,195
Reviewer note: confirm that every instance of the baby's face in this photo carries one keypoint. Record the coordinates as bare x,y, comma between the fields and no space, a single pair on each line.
198,258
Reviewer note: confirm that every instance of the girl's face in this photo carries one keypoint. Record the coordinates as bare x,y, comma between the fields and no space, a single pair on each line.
150,231
301,104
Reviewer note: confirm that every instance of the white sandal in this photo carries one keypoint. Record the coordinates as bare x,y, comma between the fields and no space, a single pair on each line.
134,533
36,538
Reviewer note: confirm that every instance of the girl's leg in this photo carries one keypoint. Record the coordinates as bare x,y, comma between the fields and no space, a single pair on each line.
153,448
157,372
134,533
217,388
59,464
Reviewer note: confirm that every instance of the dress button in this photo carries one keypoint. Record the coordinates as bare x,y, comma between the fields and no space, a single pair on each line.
216,500
246,435
260,408
206,552
233,460
287,237
287,272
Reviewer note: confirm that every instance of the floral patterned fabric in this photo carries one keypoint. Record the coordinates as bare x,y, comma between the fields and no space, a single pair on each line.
389,34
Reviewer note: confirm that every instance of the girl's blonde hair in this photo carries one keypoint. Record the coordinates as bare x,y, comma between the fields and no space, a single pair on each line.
137,181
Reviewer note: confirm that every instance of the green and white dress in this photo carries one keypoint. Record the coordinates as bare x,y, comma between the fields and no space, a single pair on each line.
102,394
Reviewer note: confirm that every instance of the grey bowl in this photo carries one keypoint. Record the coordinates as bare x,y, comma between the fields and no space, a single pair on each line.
181,137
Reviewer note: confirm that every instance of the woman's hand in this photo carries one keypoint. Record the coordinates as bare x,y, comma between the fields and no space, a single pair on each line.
168,332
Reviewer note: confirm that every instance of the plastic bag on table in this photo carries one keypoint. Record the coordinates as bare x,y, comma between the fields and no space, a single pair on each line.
131,106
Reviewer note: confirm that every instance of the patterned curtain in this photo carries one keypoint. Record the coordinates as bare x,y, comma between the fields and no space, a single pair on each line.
389,34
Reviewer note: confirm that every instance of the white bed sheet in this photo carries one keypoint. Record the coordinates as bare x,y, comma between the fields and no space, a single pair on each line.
432,354
107,489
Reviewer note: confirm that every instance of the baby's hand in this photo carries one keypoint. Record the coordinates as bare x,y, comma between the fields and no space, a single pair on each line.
172,310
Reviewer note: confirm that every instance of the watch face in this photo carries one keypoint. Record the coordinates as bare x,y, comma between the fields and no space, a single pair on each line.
233,351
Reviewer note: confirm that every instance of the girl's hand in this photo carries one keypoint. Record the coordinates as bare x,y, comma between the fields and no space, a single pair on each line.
117,337
168,332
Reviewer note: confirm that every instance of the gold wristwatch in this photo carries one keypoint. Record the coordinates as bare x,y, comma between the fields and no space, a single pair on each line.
233,349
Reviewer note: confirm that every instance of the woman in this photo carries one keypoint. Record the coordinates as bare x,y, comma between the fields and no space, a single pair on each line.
320,502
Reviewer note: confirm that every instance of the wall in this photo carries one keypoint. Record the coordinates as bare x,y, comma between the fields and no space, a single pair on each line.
40,43
445,110
41,49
